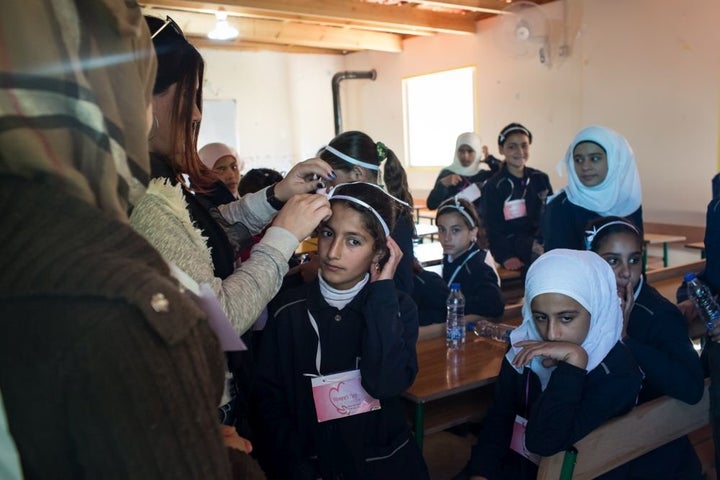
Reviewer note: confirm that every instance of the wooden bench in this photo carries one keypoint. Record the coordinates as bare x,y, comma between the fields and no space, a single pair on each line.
622,439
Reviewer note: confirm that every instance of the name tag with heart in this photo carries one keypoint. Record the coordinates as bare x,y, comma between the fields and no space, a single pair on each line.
517,442
341,395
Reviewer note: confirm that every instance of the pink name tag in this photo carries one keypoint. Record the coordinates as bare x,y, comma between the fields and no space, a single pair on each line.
341,395
514,209
517,442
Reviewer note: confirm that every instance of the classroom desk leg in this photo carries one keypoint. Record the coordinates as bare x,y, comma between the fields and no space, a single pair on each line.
665,254
568,466
419,424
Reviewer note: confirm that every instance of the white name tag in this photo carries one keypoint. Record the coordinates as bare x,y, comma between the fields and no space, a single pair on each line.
471,193
341,395
514,209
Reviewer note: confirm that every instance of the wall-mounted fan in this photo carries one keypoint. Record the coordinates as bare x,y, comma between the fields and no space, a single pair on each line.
523,30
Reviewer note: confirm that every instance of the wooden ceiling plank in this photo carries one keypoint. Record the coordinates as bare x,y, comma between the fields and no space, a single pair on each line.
338,11
261,31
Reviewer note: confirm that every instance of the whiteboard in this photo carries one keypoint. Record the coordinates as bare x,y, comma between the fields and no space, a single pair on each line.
218,123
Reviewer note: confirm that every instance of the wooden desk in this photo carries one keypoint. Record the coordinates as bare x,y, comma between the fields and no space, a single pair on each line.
657,238
697,246
447,373
309,245
429,253
426,230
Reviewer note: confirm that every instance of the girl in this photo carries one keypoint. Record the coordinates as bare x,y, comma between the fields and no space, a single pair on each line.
465,171
603,180
355,157
514,200
566,372
466,260
224,163
655,332
350,321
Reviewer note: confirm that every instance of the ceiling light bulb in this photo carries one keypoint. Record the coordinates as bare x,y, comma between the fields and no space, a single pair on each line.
223,30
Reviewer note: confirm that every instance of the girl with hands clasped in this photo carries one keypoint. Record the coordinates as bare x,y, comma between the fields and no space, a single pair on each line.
656,333
566,371
337,354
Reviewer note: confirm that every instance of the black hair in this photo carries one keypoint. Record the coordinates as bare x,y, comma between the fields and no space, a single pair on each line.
589,141
360,146
451,206
386,207
258,178
602,228
510,129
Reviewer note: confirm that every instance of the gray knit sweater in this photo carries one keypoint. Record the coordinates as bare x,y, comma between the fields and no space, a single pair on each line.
161,216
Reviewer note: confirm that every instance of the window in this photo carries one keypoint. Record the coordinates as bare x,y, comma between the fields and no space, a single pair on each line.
438,108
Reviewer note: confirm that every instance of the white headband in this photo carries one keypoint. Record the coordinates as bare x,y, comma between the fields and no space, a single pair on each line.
350,159
591,234
331,196
460,209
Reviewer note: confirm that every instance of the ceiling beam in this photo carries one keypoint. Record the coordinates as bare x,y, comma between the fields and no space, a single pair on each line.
272,32
409,18
246,46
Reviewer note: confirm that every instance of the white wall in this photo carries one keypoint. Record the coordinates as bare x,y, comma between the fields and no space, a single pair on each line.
284,102
647,68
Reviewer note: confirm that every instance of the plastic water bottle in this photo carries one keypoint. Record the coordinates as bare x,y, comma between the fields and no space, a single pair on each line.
455,320
496,331
704,301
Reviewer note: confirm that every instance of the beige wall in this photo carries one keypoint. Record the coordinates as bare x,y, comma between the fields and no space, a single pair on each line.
648,68
284,102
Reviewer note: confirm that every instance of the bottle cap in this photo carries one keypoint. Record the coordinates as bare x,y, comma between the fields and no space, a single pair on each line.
689,277
454,286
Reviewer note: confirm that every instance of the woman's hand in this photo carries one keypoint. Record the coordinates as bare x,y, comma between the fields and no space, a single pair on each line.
302,214
551,353
513,263
388,270
451,180
627,302
304,177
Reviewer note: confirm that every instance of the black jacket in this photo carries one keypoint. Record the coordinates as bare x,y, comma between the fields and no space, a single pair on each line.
478,282
440,192
514,238
564,223
572,405
376,332
658,340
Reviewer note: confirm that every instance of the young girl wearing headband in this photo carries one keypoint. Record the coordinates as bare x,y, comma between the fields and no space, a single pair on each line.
338,352
566,372
514,200
656,333
603,180
355,157
466,260
464,173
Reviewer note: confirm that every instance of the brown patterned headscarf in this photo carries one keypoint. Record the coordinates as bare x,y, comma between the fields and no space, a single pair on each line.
76,80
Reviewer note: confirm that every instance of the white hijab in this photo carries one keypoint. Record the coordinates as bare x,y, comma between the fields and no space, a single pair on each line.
472,140
588,279
620,193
